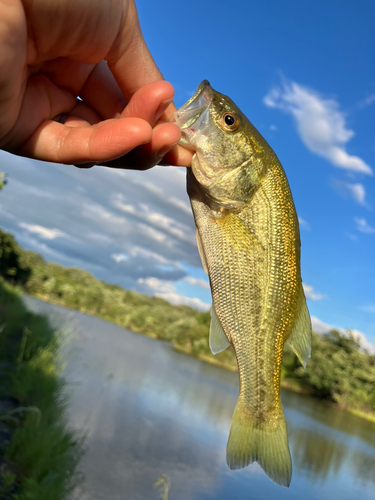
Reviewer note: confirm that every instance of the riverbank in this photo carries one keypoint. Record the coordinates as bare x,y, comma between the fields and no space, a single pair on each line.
38,454
150,410
339,371
187,341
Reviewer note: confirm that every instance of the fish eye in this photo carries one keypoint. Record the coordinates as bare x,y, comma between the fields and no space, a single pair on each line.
229,121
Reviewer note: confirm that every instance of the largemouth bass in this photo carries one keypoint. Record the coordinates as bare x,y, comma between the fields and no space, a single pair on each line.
248,240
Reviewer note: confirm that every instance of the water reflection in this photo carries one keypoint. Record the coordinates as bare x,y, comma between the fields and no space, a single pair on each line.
317,454
331,416
150,410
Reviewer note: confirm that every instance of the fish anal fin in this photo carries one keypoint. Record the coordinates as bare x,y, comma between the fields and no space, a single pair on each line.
218,340
265,442
300,337
201,251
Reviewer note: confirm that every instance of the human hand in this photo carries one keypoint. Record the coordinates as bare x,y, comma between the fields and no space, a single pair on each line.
53,52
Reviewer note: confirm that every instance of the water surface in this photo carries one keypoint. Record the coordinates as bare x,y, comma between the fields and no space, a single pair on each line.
149,410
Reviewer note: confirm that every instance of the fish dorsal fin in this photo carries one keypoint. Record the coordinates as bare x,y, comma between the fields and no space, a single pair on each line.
300,337
201,251
218,339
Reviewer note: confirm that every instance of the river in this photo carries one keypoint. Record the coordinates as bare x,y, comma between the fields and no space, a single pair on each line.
149,410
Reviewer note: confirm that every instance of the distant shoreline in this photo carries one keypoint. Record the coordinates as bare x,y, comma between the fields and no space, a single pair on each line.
286,383
339,371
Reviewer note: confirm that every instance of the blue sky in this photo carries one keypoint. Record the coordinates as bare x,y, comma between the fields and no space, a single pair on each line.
303,73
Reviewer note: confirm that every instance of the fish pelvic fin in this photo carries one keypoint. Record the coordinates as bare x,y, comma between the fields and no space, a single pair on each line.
218,340
265,442
300,336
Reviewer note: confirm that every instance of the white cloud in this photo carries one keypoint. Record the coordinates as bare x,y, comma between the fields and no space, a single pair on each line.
197,282
124,207
98,239
356,191
368,308
166,290
320,327
101,215
352,237
160,243
44,232
119,257
180,204
156,285
163,221
49,253
363,342
303,224
367,102
364,227
153,234
145,253
177,299
320,124
148,214
273,127
32,190
310,294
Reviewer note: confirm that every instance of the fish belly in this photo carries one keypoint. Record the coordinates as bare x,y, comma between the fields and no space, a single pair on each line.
252,258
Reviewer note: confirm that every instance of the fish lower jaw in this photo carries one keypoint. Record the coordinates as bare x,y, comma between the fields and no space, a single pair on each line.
184,142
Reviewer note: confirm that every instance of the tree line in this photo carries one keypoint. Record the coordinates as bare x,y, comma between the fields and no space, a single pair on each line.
339,370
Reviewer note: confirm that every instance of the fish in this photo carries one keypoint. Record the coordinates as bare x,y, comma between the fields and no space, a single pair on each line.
248,239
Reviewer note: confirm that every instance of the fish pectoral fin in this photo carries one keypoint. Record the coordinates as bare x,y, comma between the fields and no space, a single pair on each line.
240,232
201,251
300,337
218,340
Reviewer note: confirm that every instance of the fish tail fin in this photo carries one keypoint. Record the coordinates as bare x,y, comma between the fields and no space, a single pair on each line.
265,442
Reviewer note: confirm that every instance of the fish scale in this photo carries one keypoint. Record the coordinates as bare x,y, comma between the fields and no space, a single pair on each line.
248,239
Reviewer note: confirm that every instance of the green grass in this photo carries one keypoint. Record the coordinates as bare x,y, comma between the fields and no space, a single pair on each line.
42,454
362,414
339,371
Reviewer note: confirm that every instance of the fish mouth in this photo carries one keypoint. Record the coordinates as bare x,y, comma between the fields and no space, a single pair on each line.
194,115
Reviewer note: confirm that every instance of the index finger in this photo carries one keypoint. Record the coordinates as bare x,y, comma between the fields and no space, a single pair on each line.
129,58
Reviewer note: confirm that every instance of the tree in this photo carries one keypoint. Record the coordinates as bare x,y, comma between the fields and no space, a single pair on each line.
3,180
11,266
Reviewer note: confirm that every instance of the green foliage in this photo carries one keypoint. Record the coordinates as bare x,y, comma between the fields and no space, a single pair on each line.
163,484
338,370
44,452
12,266
7,482
3,180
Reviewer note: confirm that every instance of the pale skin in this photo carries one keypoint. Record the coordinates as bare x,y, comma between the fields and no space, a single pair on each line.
51,52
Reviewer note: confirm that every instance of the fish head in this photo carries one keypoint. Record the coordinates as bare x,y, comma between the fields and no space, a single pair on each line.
226,163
